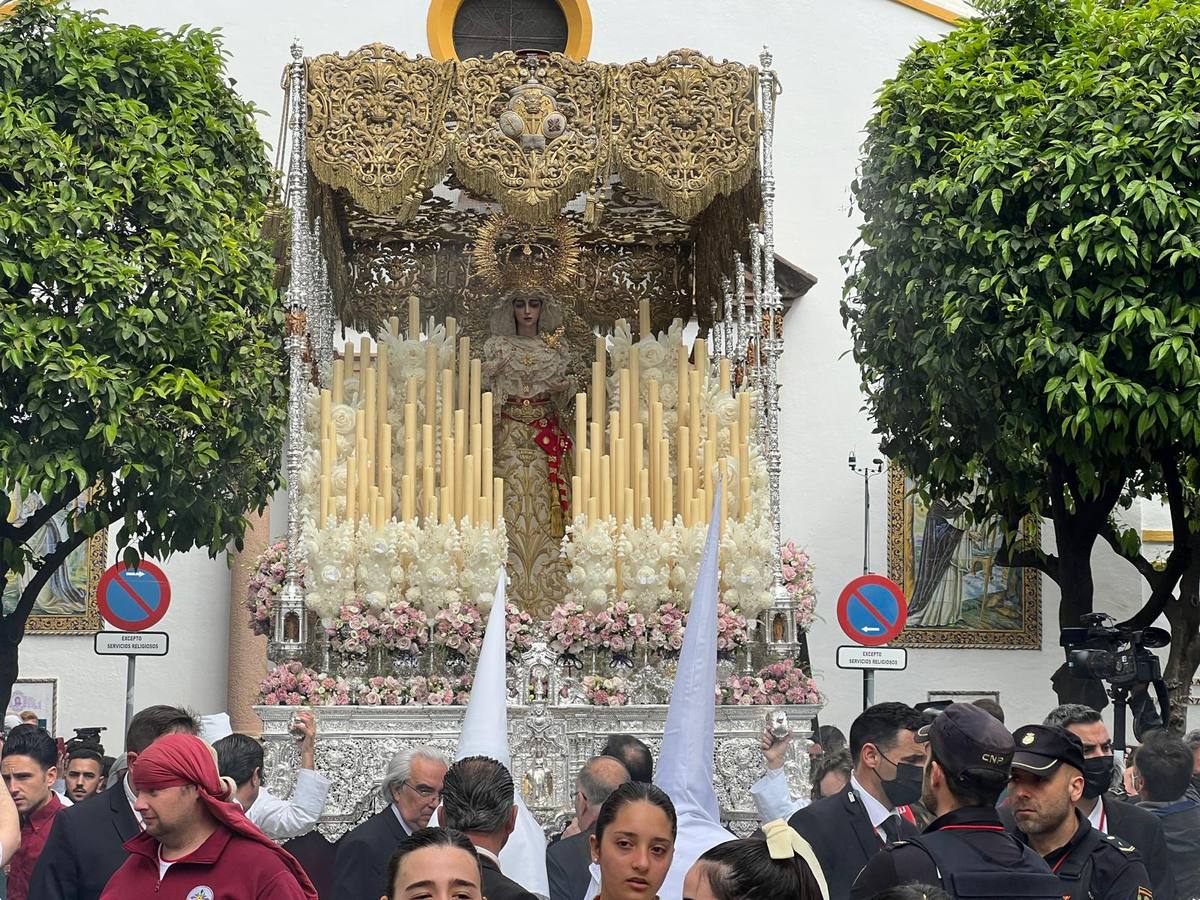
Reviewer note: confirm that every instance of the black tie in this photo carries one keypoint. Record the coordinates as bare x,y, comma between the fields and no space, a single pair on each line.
891,827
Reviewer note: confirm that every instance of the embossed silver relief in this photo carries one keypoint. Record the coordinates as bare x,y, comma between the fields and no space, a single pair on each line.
549,744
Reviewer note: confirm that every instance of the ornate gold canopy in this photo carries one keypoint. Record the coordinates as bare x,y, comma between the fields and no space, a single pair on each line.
652,164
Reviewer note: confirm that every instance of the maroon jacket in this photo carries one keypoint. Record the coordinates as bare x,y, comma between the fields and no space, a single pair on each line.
34,831
225,867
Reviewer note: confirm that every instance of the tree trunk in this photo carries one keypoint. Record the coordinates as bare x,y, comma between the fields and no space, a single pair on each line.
1183,612
1075,582
9,666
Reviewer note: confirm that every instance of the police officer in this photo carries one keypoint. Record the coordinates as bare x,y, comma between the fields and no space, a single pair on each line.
1047,782
966,848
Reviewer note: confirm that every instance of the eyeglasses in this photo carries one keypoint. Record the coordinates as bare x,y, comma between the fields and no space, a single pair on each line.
424,791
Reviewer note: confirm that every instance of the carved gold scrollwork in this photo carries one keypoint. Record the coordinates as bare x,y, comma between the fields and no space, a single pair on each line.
688,129
376,126
532,132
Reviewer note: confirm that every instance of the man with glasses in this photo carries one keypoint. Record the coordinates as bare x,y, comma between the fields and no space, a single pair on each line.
412,785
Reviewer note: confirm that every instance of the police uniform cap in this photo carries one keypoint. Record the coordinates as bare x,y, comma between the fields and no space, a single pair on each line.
967,740
1041,749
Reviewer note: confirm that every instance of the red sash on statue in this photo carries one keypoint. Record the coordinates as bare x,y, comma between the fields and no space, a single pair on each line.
556,443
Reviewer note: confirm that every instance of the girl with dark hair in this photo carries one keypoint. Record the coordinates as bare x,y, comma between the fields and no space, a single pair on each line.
434,864
634,842
783,865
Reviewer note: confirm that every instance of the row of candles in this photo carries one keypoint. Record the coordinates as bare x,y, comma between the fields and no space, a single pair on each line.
624,471
453,426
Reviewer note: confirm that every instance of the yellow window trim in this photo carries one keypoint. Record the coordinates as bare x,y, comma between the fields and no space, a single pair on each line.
439,27
7,9
933,9
1158,536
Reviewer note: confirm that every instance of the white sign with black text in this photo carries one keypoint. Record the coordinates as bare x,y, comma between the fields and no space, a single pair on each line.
894,659
131,643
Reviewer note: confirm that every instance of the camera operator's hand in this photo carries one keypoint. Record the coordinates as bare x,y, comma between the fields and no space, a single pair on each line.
774,751
305,730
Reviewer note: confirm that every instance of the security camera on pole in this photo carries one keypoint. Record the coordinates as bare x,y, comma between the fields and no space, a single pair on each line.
871,609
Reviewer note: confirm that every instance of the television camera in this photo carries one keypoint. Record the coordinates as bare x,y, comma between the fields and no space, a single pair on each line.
1104,650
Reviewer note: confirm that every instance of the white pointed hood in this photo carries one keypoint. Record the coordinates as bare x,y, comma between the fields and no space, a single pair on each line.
485,733
685,763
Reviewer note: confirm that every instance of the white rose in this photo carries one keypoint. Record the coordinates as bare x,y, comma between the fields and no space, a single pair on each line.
342,417
652,355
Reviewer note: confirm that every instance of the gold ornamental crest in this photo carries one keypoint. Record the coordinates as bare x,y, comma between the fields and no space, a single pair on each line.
509,254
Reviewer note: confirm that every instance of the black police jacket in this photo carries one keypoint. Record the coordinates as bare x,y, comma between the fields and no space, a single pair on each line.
1098,866
969,853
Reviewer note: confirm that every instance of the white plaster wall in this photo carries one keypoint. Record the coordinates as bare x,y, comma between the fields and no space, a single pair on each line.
831,59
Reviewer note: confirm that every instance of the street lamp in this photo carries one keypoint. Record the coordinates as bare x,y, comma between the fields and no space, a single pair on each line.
867,472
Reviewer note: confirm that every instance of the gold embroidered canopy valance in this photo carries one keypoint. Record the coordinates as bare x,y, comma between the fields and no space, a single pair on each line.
530,132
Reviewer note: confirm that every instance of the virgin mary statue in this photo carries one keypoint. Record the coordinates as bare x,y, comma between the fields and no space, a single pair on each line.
526,366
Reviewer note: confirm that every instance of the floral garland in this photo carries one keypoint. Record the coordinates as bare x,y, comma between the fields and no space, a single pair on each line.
618,629
732,631
606,691
798,582
292,684
265,584
519,630
569,629
774,684
459,628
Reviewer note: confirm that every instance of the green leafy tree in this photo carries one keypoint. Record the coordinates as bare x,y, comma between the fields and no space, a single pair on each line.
140,335
1023,297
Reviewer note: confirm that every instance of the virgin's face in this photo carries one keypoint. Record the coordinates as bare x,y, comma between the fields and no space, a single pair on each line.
635,853
526,312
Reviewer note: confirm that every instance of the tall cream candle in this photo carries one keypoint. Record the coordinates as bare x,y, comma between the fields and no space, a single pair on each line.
351,372
605,486
323,508
381,399
326,404
744,498
408,504
467,502
451,331
369,424
644,319
596,450
461,437
627,503
476,383
597,392
723,375
428,494
447,423
414,319
385,491
580,430
339,380
477,453
497,501
686,495
393,326
694,384
430,382
585,478
464,374
701,354
486,475
352,492
476,493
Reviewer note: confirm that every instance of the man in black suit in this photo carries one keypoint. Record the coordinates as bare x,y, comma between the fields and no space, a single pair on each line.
850,827
1106,813
413,786
568,860
84,848
478,800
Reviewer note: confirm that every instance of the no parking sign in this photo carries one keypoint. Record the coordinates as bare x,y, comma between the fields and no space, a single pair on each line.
133,599
872,610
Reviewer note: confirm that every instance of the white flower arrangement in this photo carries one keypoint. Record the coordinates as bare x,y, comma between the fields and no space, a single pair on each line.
746,549
435,580
376,558
331,565
484,551
646,555
590,550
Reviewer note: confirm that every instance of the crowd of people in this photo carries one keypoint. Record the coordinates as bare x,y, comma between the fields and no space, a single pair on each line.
929,804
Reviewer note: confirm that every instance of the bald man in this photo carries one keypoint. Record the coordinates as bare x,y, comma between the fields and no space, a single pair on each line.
567,861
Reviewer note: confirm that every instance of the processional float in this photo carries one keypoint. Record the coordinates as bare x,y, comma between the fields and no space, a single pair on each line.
422,200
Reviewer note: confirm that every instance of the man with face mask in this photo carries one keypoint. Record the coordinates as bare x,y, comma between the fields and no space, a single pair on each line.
1047,780
850,827
1105,812
966,850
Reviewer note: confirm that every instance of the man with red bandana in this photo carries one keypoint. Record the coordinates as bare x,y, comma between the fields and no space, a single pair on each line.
196,844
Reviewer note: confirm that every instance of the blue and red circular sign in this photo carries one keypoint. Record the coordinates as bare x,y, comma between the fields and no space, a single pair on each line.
872,610
133,599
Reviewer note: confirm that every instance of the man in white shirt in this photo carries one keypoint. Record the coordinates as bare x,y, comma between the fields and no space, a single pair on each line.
240,757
